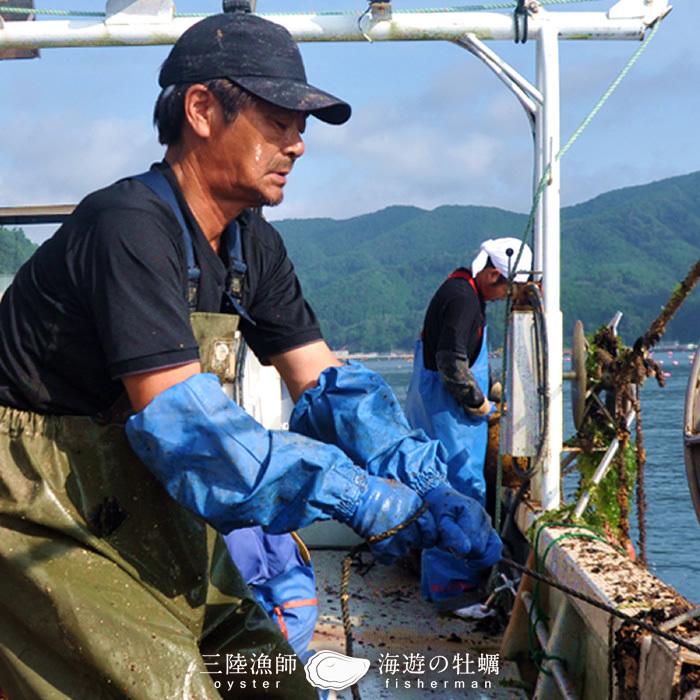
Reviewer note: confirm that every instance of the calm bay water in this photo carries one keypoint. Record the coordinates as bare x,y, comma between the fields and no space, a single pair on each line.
673,531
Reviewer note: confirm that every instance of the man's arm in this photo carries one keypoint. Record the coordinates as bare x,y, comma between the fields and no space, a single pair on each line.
459,325
301,367
142,388
460,382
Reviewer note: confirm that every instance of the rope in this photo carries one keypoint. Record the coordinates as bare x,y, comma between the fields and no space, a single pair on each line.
544,181
589,534
568,536
345,580
603,606
595,534
539,191
641,494
50,13
529,227
621,464
625,370
611,665
659,324
328,13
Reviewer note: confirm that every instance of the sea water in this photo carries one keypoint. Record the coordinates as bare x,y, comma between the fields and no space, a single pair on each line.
673,531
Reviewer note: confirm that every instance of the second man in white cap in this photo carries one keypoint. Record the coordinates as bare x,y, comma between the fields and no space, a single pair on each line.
448,394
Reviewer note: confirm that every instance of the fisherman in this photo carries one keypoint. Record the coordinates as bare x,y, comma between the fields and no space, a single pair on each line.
121,458
448,396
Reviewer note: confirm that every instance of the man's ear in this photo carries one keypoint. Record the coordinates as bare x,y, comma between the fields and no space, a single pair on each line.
200,107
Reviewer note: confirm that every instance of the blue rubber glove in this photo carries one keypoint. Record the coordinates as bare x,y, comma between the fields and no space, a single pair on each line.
217,461
464,526
385,505
353,408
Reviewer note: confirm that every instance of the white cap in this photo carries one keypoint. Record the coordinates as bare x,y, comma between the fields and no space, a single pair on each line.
503,253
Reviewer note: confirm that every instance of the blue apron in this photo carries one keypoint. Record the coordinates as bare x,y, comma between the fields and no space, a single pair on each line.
280,579
429,406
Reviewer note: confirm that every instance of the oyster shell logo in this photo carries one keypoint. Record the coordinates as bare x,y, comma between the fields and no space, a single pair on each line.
332,671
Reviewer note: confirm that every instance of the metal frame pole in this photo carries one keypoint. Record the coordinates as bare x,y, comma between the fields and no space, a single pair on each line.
548,235
151,28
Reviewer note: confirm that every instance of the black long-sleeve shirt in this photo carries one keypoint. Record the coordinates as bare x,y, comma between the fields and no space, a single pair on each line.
452,338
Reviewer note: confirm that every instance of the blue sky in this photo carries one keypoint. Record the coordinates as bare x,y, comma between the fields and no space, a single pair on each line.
431,124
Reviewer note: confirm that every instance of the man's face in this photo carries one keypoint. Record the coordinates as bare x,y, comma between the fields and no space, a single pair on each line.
492,284
250,158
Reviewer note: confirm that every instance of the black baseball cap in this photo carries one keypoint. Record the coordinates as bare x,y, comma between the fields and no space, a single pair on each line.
254,53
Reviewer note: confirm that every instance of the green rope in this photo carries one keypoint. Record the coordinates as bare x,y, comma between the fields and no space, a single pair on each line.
539,655
432,10
51,13
589,533
407,11
463,8
614,85
570,535
543,183
539,190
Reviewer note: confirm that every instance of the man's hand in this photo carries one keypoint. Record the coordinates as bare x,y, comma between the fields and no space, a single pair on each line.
386,504
463,526
482,410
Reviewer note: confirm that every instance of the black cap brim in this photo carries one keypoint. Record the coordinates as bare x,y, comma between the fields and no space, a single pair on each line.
297,95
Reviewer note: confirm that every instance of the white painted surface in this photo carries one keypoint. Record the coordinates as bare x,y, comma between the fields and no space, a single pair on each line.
521,424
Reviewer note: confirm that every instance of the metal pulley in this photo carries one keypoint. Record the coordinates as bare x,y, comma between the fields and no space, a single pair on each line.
691,433
583,398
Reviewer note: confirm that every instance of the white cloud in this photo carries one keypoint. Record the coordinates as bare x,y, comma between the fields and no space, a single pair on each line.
442,131
61,159
438,145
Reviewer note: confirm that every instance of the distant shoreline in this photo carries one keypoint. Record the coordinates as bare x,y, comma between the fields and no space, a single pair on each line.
672,346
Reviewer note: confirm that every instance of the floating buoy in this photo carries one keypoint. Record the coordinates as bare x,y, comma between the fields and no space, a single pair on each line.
667,374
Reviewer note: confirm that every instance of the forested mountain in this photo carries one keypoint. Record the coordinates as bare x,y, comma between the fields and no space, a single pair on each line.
15,248
370,278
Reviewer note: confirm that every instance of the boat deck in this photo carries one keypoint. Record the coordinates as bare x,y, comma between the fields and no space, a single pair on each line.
414,653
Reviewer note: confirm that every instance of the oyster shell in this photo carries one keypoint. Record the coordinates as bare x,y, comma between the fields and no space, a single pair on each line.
332,671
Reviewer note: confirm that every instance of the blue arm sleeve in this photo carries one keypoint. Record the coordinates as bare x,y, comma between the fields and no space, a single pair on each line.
353,408
216,460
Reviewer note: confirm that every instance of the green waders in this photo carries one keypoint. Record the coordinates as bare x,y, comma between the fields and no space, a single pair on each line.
109,588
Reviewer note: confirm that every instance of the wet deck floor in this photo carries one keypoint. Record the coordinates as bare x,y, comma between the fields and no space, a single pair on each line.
414,653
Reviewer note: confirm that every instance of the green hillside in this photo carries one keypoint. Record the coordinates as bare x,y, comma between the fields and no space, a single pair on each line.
15,248
370,278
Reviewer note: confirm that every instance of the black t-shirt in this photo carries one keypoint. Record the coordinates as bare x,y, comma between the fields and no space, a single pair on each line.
454,322
106,296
